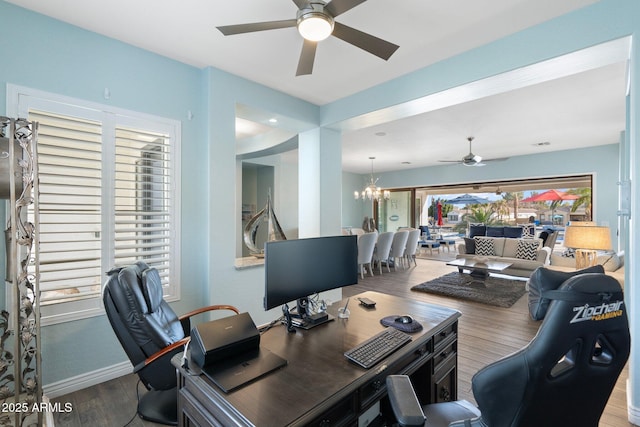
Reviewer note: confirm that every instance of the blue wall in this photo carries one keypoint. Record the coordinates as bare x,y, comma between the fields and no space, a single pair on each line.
45,54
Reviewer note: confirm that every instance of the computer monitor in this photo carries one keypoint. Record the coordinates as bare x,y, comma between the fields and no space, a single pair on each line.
296,269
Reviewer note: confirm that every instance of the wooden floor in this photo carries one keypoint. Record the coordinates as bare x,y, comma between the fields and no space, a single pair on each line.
486,334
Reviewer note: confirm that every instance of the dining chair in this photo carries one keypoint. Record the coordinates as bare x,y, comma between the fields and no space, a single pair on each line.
411,246
383,249
398,247
366,245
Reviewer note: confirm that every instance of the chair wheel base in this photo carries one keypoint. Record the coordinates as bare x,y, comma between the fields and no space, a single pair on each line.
159,406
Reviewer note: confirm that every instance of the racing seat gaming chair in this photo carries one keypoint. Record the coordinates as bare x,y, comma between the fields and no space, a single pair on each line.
563,377
150,333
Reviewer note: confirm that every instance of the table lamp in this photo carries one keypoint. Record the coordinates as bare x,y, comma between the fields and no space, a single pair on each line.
586,241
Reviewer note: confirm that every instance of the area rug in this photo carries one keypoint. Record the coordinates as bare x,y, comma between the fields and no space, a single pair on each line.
495,291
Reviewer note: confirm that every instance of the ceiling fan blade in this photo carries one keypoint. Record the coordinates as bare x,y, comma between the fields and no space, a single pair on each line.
378,47
229,30
336,7
307,56
500,159
301,3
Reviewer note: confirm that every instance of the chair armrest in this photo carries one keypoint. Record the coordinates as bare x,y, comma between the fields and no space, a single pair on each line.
208,308
185,318
404,402
161,353
544,255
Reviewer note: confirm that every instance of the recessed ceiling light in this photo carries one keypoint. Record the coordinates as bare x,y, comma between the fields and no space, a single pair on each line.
380,133
273,121
541,144
406,163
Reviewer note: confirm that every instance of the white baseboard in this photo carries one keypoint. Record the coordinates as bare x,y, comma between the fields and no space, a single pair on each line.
69,385
633,413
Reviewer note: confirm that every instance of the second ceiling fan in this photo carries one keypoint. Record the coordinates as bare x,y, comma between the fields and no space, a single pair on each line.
472,159
315,22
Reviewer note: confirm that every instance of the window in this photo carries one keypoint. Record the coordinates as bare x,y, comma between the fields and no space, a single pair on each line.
108,196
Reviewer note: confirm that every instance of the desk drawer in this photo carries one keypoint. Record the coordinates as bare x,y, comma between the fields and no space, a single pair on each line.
443,355
407,365
341,414
445,333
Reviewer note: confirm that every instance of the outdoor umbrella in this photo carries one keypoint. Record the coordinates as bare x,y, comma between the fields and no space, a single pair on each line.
439,214
467,199
551,196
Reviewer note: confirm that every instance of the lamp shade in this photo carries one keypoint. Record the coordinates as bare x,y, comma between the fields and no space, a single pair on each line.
594,237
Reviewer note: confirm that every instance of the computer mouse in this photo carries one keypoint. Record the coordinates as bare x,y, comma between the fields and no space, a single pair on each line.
404,319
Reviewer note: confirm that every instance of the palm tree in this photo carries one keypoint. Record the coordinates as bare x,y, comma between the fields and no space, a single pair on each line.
584,199
515,198
501,208
480,214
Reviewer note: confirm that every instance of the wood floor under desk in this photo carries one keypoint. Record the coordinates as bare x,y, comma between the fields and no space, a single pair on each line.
485,334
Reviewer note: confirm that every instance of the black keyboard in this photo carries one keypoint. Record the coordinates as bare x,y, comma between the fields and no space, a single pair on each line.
377,347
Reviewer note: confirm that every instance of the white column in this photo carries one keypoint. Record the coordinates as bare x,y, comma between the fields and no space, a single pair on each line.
320,183
632,267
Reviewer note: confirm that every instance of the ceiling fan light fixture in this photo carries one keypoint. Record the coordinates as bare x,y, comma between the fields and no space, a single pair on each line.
314,24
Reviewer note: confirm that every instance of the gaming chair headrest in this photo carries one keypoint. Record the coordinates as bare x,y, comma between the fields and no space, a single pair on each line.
577,355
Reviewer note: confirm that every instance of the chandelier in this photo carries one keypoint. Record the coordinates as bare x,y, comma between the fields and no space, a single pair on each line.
371,192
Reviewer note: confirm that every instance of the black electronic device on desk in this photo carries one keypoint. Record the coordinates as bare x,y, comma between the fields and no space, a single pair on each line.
228,351
297,269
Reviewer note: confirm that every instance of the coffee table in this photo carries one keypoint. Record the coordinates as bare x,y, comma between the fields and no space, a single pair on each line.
479,268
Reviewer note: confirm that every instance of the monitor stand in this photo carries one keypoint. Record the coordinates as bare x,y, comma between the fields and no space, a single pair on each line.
301,318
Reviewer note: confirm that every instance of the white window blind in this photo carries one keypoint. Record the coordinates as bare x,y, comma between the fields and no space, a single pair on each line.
142,203
70,173
108,181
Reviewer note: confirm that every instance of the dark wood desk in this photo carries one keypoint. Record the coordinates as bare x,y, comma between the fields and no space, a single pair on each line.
319,386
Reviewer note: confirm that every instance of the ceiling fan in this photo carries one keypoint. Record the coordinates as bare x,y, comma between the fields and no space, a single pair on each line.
315,22
472,159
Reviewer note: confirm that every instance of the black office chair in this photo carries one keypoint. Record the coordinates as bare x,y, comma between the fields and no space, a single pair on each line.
563,377
150,333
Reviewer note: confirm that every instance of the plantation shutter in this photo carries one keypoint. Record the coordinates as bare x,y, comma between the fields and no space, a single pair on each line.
142,199
108,180
70,173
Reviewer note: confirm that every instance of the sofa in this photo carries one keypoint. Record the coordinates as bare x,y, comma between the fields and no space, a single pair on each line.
613,264
525,254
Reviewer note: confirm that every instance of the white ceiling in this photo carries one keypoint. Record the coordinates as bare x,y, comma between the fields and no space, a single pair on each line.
580,110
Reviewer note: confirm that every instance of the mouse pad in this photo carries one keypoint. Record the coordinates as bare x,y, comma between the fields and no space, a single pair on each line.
414,326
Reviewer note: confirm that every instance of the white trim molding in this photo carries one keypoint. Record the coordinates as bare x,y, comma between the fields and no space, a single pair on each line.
88,379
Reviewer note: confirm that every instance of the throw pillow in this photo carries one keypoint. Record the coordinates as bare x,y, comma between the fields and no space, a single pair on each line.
515,232
544,279
469,246
477,230
495,231
484,246
527,249
569,253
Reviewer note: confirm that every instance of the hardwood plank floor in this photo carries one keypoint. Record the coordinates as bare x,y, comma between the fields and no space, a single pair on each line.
486,334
